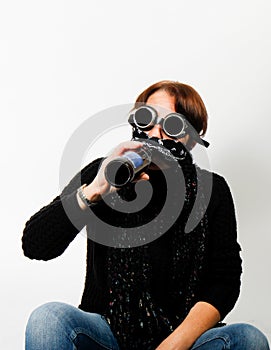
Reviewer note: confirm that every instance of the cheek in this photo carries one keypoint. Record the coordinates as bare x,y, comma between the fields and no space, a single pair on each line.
184,140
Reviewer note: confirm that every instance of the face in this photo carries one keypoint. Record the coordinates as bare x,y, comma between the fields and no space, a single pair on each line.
164,104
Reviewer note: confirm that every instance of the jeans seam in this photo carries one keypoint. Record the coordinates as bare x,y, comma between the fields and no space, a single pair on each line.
225,339
79,330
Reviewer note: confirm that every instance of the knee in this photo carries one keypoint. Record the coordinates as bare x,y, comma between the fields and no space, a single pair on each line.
250,337
46,327
45,316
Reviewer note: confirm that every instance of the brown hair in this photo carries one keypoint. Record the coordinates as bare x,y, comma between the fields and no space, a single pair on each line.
187,102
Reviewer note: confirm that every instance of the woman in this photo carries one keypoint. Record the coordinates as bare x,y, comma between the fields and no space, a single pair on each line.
170,293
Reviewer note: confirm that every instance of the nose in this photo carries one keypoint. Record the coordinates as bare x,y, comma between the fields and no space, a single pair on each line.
156,131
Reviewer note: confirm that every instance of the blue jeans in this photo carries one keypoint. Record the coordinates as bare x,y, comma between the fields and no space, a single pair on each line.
58,326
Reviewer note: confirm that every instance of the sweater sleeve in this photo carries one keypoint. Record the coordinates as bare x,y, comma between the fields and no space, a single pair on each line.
48,233
221,286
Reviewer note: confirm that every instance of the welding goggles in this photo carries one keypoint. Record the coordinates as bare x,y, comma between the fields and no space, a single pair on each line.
173,124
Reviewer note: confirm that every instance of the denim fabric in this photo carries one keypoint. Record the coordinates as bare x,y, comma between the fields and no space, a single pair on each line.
238,336
59,326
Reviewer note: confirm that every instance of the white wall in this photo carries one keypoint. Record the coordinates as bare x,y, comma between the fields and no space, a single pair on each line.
62,61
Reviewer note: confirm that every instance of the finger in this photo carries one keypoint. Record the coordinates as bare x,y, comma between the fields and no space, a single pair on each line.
143,176
126,146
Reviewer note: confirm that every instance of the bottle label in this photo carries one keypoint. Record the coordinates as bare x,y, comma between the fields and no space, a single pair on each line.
134,157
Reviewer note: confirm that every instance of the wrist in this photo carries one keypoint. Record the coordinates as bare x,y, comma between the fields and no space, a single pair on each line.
173,342
92,192
87,196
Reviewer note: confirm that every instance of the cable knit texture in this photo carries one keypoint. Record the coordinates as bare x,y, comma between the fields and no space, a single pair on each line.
49,232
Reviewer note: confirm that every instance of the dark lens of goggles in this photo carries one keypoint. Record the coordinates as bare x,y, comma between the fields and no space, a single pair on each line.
174,126
144,117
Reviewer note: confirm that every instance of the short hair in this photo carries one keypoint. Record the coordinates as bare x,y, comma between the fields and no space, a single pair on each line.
187,102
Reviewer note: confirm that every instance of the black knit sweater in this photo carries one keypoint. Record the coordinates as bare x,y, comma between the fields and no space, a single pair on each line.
49,232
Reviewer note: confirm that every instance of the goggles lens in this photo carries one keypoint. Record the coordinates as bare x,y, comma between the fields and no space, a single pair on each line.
143,117
173,125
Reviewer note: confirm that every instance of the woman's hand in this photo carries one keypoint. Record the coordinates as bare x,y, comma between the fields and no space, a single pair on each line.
99,187
201,317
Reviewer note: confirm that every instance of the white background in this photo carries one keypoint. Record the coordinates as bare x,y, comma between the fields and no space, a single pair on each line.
63,61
